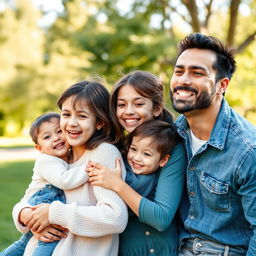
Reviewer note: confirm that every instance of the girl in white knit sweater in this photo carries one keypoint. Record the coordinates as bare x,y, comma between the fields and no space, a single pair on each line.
93,215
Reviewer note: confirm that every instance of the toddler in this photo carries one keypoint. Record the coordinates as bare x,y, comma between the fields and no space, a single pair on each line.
149,147
50,176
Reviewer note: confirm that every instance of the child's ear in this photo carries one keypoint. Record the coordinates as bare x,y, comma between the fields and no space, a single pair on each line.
164,160
99,125
157,111
38,147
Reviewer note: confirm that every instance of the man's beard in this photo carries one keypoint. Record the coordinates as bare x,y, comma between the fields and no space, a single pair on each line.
182,106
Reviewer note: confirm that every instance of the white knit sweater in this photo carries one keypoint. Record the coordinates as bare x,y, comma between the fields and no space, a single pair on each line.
53,170
93,215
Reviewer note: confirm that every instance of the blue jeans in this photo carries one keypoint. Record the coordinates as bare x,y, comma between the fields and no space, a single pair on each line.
201,247
47,194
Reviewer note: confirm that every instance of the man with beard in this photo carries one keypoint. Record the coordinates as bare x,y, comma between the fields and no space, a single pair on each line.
218,208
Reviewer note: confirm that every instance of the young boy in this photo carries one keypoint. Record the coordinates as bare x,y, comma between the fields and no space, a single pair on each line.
149,147
50,176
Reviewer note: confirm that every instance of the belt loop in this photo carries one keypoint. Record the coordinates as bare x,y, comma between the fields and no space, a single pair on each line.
226,251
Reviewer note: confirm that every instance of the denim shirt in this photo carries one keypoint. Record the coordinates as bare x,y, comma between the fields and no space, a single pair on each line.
219,202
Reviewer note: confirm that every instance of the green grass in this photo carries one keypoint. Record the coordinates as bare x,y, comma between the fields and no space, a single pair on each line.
18,146
14,177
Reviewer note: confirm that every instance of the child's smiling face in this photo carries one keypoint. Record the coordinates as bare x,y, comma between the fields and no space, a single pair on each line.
143,156
51,139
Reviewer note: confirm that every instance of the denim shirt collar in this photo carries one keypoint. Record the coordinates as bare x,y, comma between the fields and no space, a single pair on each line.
220,130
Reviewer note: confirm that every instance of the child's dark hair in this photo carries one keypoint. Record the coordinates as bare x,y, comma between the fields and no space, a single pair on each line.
147,85
225,63
164,135
34,129
97,98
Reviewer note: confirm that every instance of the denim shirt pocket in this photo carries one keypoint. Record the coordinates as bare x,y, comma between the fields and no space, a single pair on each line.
215,192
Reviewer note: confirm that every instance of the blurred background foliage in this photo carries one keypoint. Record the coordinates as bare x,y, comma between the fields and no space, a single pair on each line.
45,46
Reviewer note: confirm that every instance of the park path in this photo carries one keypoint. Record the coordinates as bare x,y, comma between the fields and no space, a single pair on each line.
18,154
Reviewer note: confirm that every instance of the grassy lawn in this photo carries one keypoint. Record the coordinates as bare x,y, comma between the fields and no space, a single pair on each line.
15,177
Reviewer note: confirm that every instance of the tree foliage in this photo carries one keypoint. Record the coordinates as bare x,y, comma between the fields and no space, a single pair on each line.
108,38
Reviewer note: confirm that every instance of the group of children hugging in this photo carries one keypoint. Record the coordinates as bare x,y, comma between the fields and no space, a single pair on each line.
102,153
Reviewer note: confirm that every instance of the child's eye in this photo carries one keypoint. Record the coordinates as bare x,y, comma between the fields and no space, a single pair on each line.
147,154
133,149
139,104
82,116
47,137
65,114
120,105
59,131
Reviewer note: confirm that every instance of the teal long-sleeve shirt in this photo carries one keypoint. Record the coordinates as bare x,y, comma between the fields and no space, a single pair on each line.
154,232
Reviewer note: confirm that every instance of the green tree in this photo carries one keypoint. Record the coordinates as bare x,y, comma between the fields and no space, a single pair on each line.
21,48
145,37
90,38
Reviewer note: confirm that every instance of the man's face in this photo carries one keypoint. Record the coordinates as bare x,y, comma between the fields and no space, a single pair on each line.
193,81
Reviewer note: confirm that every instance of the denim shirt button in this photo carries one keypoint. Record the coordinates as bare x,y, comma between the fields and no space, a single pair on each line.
147,233
151,250
192,217
192,168
198,245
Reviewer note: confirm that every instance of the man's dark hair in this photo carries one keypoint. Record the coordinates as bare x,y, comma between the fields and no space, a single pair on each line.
225,63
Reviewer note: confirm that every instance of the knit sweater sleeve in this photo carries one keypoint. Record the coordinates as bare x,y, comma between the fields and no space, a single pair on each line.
109,214
160,212
15,215
55,171
52,170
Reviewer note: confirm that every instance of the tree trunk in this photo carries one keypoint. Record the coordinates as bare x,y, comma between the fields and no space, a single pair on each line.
233,12
193,11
